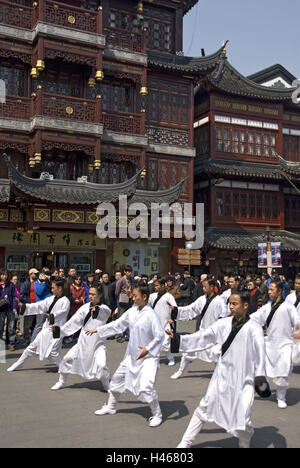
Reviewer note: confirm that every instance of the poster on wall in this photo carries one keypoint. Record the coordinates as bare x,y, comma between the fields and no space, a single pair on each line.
262,256
276,255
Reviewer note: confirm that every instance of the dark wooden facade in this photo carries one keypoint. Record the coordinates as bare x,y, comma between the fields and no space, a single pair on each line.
240,129
85,97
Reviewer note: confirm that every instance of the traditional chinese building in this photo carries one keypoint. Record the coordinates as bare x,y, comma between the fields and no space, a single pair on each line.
96,91
247,168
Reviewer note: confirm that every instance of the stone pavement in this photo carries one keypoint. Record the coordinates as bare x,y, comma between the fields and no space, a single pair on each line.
34,416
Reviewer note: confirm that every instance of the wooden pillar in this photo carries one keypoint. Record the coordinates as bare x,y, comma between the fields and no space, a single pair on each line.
100,259
179,28
2,257
99,27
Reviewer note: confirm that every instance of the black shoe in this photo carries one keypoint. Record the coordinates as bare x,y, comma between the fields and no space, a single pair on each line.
121,339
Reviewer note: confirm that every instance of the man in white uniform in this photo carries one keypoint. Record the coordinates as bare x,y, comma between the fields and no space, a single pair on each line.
55,308
294,297
208,308
160,301
280,319
88,357
241,366
136,373
234,283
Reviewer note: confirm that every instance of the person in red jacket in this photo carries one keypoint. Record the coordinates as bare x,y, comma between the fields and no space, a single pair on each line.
77,295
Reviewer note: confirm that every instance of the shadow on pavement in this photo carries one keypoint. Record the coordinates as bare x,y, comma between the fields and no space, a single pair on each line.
171,410
263,438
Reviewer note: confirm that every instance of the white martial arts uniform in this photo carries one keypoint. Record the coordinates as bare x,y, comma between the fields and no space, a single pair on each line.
215,311
230,394
225,297
43,344
135,376
88,357
163,311
279,343
291,299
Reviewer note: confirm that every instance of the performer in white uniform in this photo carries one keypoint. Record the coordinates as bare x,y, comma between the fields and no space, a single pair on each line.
137,372
88,357
160,301
294,299
210,308
55,308
241,366
234,283
280,320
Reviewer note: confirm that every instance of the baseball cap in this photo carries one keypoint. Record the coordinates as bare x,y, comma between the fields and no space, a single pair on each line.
33,270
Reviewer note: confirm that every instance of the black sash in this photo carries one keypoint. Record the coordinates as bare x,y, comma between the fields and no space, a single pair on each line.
207,304
273,310
91,313
297,299
158,298
236,328
51,316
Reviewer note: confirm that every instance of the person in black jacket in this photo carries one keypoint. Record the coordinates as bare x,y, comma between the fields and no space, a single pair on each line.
8,311
27,296
186,289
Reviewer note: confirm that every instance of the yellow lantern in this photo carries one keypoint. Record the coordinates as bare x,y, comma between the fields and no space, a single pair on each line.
99,75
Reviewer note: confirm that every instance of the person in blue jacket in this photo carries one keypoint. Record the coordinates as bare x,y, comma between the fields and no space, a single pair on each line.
42,291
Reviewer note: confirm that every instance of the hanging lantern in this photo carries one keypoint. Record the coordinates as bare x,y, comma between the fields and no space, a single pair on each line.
143,174
37,158
40,65
92,82
31,162
91,168
97,164
99,75
144,91
34,73
140,8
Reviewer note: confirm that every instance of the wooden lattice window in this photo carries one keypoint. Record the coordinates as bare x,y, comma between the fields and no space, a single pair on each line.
15,78
117,97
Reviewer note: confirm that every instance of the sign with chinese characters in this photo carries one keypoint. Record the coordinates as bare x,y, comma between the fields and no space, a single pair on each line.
51,240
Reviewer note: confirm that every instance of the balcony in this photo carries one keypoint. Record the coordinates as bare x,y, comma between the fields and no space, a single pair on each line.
14,14
123,122
48,11
125,40
65,107
16,108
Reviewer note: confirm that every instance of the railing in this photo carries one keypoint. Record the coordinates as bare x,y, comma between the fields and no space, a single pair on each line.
52,12
120,38
14,14
65,107
69,16
122,122
16,107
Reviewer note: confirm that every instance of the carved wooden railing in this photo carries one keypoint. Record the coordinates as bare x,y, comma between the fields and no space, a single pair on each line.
120,38
16,107
123,122
14,14
65,107
69,16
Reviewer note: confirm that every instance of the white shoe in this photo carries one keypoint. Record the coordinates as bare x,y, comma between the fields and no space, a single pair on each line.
171,363
13,367
282,404
155,421
105,410
183,445
176,376
57,386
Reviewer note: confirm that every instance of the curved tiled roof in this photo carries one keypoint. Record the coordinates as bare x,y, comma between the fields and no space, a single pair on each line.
234,239
181,63
233,82
239,168
87,193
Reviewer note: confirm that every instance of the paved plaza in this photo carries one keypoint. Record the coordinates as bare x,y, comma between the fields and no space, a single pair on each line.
34,416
